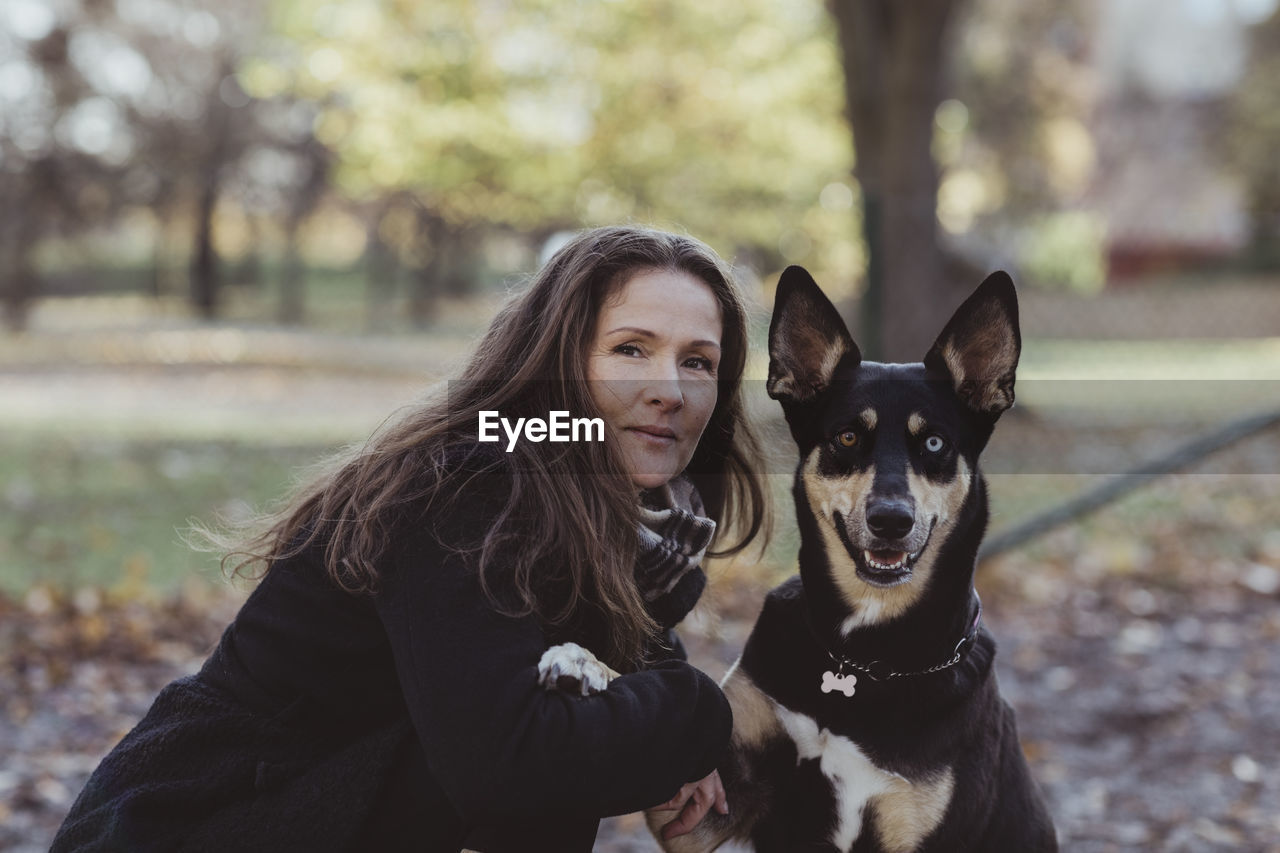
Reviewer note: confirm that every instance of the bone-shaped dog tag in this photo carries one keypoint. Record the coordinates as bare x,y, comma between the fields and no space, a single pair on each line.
841,683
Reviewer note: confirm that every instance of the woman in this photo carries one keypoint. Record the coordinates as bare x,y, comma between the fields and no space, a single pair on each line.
379,688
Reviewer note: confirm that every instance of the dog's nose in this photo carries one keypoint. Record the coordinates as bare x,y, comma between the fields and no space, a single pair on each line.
890,519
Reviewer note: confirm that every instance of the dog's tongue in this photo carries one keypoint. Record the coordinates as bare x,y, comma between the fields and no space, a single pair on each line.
889,558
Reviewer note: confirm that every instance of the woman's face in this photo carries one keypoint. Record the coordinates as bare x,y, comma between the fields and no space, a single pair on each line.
652,367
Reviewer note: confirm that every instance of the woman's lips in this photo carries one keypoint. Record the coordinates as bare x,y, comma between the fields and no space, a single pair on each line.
659,435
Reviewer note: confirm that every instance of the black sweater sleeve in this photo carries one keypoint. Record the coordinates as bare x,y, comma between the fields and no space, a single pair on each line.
503,749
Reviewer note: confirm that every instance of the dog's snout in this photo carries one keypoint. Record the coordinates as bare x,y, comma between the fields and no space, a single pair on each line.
890,519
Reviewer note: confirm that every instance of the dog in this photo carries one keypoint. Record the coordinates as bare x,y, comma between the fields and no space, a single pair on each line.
867,718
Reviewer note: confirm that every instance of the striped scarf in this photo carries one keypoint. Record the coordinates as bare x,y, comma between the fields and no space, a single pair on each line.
674,534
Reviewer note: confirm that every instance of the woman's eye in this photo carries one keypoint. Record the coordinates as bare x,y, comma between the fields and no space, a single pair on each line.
627,349
848,438
934,444
700,363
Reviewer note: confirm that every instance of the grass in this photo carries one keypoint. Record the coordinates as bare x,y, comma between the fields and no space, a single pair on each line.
1202,360
1199,379
81,511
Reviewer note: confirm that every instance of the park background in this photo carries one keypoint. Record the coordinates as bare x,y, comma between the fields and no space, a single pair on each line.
235,237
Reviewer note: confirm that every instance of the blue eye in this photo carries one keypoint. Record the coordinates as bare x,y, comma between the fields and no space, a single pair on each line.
934,444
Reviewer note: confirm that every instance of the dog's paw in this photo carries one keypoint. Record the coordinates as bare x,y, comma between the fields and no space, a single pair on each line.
570,668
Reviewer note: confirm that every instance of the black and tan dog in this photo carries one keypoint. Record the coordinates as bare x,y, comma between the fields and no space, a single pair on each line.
866,712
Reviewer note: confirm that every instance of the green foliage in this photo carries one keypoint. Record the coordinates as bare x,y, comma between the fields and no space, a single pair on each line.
722,118
1066,251
1022,69
1014,143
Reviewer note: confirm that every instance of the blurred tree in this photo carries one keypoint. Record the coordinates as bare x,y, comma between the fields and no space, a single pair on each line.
447,123
112,107
214,150
313,181
380,265
895,58
1015,140
972,115
1255,129
720,117
53,179
211,143
1023,78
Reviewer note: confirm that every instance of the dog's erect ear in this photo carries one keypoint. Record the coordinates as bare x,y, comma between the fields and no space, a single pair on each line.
807,339
980,345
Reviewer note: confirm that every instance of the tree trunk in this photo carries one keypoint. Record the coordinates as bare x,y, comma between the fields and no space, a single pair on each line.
211,169
250,273
443,252
204,260
20,289
19,280
380,274
292,306
894,60
156,276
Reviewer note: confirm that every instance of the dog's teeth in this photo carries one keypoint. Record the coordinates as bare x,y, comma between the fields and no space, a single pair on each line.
874,563
897,565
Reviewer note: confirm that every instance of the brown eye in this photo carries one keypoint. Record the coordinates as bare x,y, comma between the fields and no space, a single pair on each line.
848,438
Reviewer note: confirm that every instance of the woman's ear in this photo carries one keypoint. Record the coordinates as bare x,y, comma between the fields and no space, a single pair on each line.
979,347
807,339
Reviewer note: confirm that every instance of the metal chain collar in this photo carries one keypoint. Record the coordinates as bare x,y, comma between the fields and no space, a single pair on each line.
877,670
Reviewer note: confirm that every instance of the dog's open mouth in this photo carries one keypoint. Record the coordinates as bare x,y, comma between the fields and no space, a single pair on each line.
886,568
880,567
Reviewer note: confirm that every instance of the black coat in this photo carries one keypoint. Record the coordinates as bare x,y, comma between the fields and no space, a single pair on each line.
408,720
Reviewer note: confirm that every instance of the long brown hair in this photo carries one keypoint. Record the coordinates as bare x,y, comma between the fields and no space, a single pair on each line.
531,361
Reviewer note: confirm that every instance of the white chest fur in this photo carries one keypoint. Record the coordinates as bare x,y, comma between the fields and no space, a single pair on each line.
854,778
906,812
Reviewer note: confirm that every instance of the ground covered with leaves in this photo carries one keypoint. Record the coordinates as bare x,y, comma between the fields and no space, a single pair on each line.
77,672
1138,648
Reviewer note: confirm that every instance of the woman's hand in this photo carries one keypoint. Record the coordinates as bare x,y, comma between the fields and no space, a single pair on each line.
694,800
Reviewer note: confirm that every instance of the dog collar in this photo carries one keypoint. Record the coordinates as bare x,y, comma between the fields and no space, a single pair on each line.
876,670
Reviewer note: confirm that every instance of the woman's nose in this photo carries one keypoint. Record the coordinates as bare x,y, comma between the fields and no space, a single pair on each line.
662,387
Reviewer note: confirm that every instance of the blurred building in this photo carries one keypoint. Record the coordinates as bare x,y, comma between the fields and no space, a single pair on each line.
1166,69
